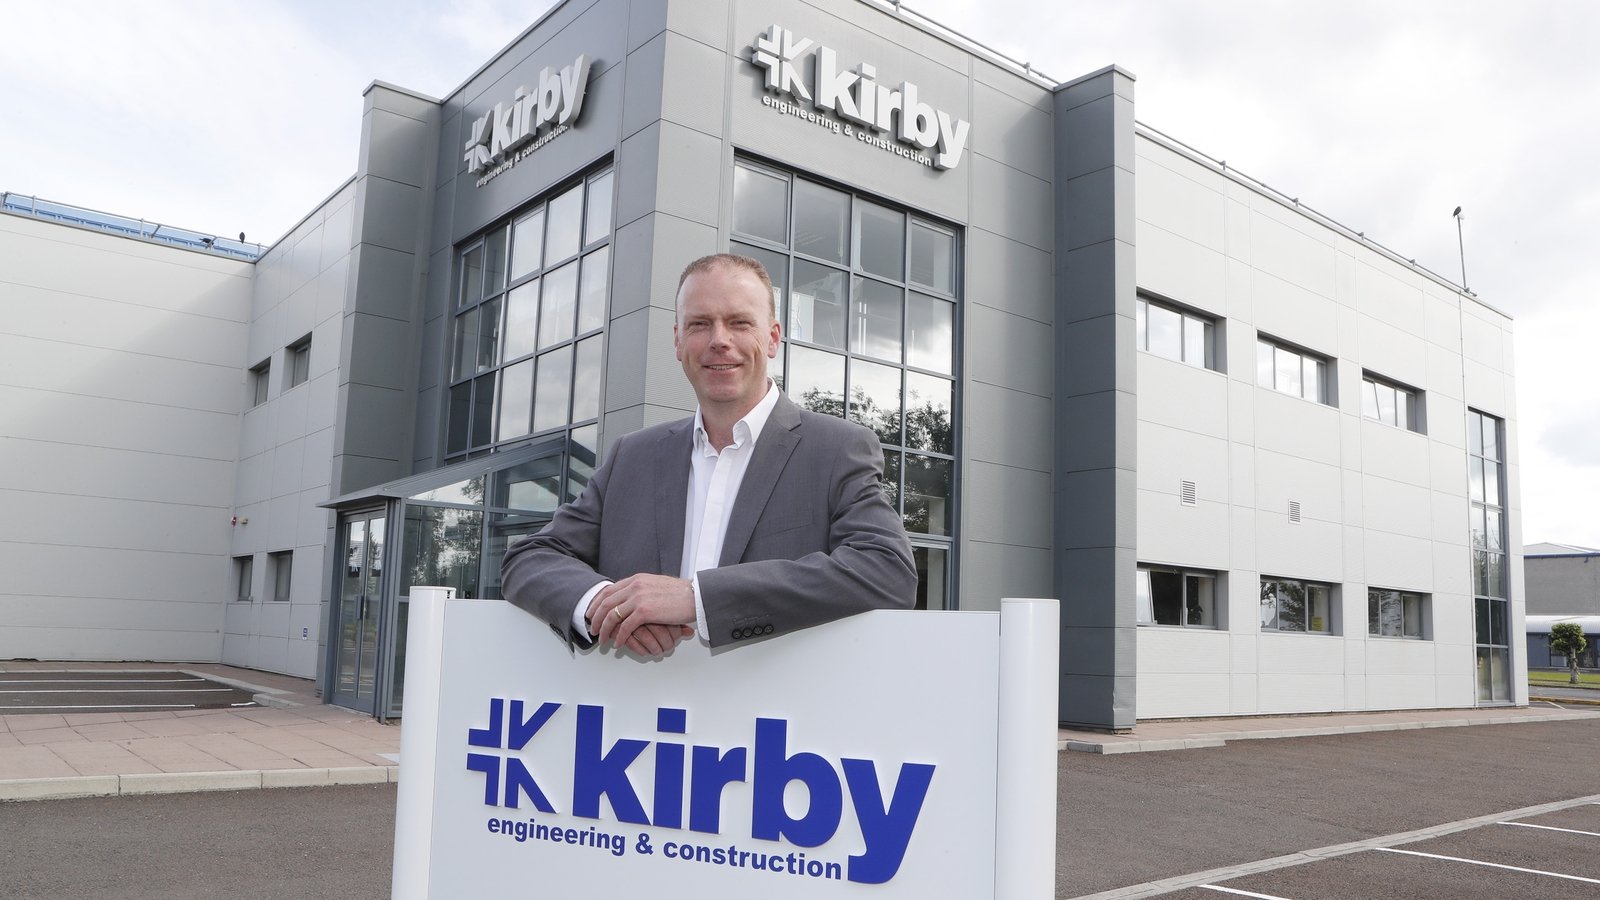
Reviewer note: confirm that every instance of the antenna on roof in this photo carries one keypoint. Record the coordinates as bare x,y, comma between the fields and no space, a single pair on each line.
1462,246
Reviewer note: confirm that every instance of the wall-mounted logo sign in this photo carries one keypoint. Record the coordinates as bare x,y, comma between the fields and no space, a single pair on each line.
512,131
694,780
917,130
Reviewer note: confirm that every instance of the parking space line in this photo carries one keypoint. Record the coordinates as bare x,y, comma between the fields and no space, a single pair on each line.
1228,890
1225,873
1552,828
119,691
101,680
109,706
1479,862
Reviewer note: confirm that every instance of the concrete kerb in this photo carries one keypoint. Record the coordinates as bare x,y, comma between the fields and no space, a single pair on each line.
189,782
1110,747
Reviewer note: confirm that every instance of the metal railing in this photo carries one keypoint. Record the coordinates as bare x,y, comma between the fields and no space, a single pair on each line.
27,205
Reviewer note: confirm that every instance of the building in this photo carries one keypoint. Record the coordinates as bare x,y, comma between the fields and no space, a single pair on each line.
1562,579
1267,465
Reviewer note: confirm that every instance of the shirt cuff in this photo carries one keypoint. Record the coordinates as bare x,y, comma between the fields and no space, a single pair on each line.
699,611
580,625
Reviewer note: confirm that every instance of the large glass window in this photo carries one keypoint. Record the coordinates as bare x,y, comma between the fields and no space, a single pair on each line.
527,333
1175,333
1291,371
282,574
1491,597
1389,403
1289,604
1183,597
868,297
243,576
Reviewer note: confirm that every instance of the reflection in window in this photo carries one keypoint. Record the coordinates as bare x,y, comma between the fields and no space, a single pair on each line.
867,296
1389,403
1174,333
1180,597
1289,371
441,548
1292,605
1395,613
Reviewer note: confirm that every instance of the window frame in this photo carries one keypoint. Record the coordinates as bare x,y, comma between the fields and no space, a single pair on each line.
1424,606
1218,600
260,382
479,391
1332,599
1188,318
1412,419
244,578
281,564
297,363
1326,373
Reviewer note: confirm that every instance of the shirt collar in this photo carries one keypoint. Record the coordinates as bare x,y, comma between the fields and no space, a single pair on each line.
745,431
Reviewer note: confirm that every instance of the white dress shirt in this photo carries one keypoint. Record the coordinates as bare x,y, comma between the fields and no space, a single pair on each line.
714,480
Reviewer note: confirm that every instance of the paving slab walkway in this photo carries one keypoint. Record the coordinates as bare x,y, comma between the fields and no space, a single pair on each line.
292,740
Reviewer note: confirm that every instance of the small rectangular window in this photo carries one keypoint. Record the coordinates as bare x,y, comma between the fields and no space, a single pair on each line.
282,574
1389,403
1398,614
1175,333
1288,370
243,575
1289,604
1182,597
298,362
260,376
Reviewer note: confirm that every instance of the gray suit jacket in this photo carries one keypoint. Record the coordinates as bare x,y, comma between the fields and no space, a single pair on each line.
811,537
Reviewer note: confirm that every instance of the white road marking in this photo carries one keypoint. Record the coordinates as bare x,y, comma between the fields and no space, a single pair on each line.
1228,873
1228,890
107,706
103,681
115,691
1479,862
1552,828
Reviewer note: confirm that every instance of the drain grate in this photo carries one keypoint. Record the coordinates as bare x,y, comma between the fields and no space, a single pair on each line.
65,691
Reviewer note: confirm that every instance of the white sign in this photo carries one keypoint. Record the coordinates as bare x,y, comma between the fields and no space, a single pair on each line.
855,96
510,132
858,758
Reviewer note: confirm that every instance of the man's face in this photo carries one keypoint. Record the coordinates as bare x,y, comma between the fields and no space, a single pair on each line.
724,336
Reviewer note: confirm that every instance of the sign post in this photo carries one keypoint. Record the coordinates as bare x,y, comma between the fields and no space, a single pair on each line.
896,754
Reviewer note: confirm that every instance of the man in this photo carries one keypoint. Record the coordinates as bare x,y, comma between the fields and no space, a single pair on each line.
752,518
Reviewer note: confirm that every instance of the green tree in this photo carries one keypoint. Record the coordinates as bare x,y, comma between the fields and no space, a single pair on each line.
1567,639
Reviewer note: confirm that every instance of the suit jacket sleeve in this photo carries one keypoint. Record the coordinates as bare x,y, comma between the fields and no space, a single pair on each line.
828,544
549,572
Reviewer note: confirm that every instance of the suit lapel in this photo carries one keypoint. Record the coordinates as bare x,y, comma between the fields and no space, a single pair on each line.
773,449
672,495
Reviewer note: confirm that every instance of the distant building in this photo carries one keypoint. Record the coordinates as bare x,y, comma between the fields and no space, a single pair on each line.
1267,464
1562,579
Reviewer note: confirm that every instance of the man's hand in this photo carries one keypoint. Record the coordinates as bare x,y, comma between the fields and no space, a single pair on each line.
648,614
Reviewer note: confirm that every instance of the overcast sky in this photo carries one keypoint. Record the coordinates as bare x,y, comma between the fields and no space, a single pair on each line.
225,117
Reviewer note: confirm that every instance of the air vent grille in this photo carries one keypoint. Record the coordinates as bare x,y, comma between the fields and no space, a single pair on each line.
1294,511
1186,494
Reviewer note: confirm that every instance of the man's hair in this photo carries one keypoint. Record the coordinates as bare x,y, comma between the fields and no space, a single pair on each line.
730,261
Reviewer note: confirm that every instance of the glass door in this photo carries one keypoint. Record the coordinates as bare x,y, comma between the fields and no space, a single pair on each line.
361,547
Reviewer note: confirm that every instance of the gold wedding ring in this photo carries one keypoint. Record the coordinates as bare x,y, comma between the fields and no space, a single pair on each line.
616,611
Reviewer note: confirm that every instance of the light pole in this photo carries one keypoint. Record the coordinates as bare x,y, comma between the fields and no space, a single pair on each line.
1461,245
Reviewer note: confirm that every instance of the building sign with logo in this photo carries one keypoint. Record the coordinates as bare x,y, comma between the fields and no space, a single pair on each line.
852,102
510,132
813,765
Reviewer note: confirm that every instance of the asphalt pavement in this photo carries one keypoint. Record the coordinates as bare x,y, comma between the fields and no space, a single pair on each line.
1125,823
